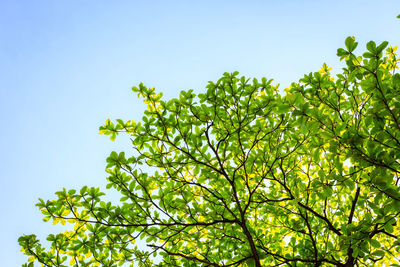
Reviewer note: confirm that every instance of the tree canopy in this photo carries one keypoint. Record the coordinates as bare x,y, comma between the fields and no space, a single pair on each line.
245,175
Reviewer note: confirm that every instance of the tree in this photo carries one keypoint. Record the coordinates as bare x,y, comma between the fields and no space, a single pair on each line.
243,176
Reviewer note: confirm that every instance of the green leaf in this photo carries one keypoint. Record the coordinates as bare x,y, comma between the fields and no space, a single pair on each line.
371,46
341,53
388,228
83,190
283,108
382,46
350,43
379,253
251,262
327,191
374,243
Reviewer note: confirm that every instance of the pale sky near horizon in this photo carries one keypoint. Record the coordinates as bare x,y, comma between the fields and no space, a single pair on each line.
67,66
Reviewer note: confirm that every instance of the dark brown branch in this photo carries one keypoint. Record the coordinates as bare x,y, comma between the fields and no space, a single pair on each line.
330,225
353,205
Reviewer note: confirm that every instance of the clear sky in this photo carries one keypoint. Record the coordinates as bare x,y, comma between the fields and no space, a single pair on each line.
67,66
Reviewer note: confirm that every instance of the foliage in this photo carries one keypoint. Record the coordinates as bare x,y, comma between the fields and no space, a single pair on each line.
242,176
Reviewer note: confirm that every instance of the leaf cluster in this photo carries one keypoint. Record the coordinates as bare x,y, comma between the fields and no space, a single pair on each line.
243,176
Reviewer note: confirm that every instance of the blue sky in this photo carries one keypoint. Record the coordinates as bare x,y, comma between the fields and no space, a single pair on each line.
67,66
